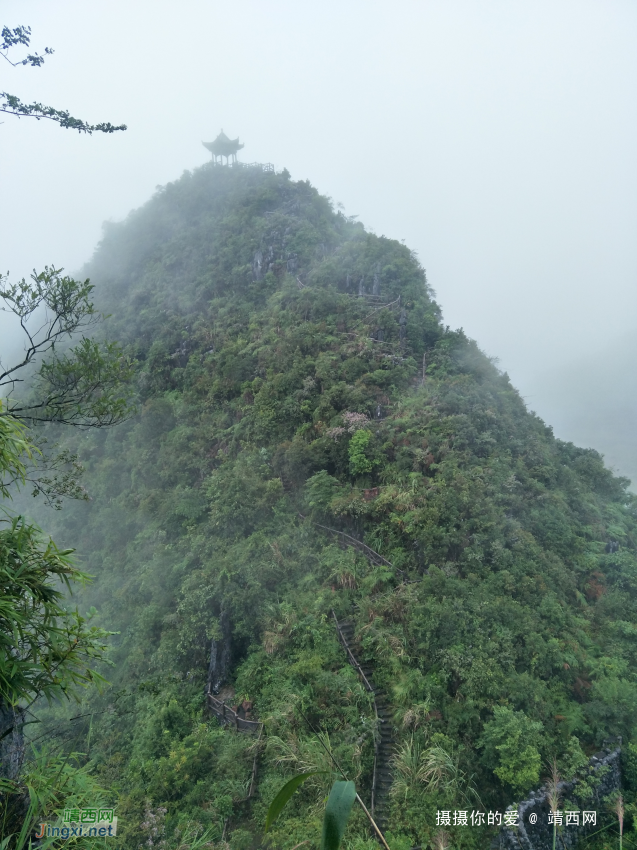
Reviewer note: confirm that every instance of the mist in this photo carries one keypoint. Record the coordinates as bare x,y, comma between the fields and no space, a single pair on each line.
496,139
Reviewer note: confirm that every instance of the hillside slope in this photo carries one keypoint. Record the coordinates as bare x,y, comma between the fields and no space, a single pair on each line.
282,392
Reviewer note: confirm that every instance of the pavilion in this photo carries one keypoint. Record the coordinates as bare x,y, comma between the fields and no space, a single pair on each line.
223,146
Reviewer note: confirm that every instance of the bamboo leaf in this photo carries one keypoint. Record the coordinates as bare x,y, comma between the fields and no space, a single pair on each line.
339,806
276,806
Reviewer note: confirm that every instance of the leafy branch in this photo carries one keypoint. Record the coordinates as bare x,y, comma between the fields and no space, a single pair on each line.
12,105
84,386
20,35
54,476
44,648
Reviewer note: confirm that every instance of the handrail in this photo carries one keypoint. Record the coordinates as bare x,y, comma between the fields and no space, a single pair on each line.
382,307
374,557
229,716
352,658
356,665
268,167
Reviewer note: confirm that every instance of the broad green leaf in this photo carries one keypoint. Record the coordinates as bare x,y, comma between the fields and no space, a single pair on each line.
276,806
339,805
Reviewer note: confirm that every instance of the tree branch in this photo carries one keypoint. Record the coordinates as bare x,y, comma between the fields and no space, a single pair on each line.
12,105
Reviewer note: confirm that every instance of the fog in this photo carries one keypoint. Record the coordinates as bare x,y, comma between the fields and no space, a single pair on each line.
496,138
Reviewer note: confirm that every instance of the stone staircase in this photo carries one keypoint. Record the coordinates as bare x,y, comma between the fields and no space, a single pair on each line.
384,742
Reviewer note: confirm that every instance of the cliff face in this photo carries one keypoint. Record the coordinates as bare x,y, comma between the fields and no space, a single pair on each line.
282,393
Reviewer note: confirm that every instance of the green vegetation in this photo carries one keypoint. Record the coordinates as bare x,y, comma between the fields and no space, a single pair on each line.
46,650
337,810
273,397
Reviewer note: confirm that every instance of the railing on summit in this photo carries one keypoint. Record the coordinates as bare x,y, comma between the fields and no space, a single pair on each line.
268,167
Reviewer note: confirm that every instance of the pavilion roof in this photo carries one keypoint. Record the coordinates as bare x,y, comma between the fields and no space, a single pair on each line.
223,146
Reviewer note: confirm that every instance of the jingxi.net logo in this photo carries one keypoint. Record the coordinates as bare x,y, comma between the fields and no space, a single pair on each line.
81,823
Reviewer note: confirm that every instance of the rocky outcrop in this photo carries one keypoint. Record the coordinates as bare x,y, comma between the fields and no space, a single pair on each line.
14,806
536,833
11,741
220,656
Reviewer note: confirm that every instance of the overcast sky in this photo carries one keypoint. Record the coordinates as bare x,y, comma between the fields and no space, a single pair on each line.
497,137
